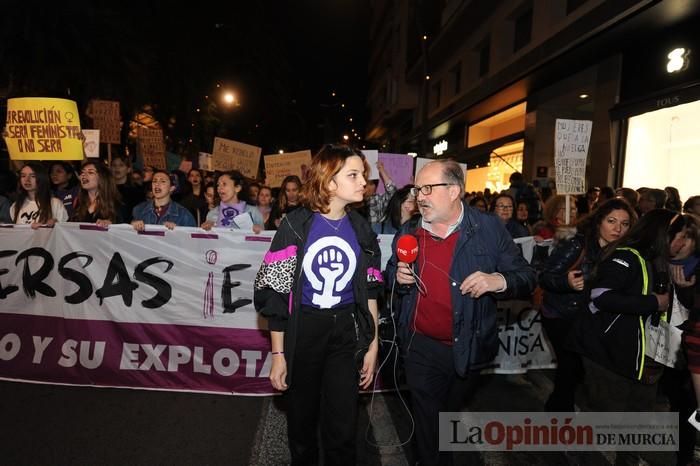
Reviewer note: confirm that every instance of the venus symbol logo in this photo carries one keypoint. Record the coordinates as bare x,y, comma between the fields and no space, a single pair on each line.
329,265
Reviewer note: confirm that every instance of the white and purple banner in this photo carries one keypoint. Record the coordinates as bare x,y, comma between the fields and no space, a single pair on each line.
158,309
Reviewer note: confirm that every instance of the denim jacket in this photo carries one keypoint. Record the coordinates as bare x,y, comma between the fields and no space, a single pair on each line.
177,214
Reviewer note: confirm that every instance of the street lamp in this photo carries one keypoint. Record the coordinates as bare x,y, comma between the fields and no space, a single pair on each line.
229,98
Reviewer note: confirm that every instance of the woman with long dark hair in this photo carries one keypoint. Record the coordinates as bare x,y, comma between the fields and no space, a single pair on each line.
35,205
287,199
64,184
630,288
401,207
318,287
566,280
99,200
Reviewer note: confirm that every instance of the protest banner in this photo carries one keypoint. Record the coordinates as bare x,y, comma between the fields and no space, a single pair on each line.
41,128
106,117
151,147
160,309
279,166
571,141
92,143
233,155
399,167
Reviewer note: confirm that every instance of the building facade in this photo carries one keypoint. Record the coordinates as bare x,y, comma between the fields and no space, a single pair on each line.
484,82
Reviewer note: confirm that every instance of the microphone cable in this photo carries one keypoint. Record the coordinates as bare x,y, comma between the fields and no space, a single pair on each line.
393,346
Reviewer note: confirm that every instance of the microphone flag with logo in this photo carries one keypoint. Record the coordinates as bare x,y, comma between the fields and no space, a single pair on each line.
407,249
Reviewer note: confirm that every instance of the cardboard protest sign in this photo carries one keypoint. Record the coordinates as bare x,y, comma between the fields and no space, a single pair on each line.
92,143
571,141
151,147
106,117
372,157
278,166
400,170
233,155
204,162
41,128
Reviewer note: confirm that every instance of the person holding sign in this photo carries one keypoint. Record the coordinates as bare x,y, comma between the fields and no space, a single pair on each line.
99,200
161,210
35,205
231,204
318,288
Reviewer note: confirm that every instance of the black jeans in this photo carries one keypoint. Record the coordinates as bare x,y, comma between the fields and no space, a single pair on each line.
435,387
324,387
569,372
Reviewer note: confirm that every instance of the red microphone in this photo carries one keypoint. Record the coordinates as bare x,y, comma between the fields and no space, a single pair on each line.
407,249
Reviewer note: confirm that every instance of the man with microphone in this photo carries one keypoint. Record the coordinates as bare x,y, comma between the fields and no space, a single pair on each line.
465,261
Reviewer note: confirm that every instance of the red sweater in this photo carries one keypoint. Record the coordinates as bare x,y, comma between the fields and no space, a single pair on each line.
433,316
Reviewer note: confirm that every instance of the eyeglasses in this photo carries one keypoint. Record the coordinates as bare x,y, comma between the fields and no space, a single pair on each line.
427,189
504,206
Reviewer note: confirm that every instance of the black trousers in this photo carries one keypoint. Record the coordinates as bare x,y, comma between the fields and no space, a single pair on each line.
324,388
569,372
435,387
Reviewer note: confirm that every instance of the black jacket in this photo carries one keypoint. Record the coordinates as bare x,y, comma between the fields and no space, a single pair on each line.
278,287
612,333
560,300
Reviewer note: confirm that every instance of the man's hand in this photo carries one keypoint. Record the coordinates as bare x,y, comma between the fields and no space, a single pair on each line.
404,275
479,283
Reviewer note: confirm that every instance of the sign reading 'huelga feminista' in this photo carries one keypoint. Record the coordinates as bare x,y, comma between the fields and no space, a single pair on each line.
40,128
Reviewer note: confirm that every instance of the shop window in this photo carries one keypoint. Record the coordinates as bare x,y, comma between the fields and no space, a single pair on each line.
661,147
523,30
507,122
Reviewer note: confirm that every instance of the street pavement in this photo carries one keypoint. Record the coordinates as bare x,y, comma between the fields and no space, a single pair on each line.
64,425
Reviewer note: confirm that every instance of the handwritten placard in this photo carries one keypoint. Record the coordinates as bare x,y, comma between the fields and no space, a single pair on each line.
279,166
571,141
151,147
43,129
92,143
204,162
233,155
106,117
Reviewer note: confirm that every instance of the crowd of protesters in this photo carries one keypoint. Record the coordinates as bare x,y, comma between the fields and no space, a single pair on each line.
617,260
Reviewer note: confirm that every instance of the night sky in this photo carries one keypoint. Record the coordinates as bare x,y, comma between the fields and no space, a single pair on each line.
281,58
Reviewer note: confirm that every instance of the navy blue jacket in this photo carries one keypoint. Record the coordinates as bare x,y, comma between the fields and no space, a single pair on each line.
483,245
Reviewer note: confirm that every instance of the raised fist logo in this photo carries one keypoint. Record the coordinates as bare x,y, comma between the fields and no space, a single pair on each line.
334,261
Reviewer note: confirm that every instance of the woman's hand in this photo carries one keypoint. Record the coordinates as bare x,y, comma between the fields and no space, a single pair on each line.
575,280
207,226
138,225
35,225
257,229
678,276
103,223
369,364
170,225
278,372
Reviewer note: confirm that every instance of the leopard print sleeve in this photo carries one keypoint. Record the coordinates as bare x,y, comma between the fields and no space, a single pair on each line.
277,270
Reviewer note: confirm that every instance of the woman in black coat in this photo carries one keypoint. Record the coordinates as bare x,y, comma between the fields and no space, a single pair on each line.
566,273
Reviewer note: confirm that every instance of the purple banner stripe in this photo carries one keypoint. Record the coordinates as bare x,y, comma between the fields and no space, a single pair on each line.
262,239
92,226
135,355
204,236
151,233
